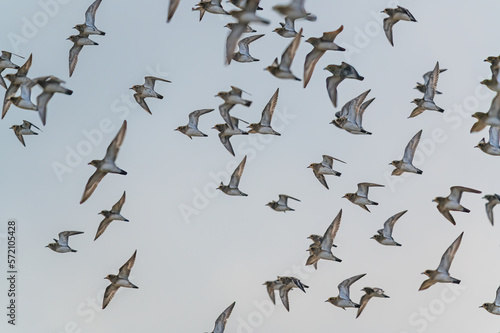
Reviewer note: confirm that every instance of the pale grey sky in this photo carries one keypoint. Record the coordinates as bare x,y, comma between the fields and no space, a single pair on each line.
190,267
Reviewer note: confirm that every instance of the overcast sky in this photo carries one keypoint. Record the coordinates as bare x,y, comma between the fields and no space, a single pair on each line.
199,250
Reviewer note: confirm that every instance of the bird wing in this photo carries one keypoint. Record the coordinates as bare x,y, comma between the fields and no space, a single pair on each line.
270,291
354,105
283,198
330,36
388,23
63,236
489,210
361,110
73,57
235,177
195,115
329,236
497,298
232,40
11,91
448,256
427,284
312,59
108,294
332,83
289,54
224,112
362,303
446,213
284,296
346,284
364,187
124,271
220,323
20,137
92,184
418,110
224,139
117,207
430,87
494,136
102,227
456,192
142,102
41,103
114,146
23,71
268,111
90,13
27,124
243,44
411,147
172,7
149,81
289,24
389,224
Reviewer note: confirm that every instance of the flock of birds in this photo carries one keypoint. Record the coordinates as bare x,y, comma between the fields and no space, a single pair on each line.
349,118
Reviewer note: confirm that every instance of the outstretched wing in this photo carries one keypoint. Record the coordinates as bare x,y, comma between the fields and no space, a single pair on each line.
448,256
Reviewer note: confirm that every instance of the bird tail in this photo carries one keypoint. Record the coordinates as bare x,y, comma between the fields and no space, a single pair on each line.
248,103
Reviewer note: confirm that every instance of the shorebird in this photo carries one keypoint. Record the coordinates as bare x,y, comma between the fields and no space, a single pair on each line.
211,6
369,294
384,236
147,90
491,118
422,87
322,246
24,101
282,204
264,125
79,41
406,164
441,274
343,300
288,283
16,80
282,69
427,103
106,165
350,117
339,73
50,85
191,129
325,168
232,187
110,216
360,198
271,287
220,322
492,147
120,280
61,245
5,62
243,54
493,308
493,200
395,15
225,133
240,4
452,202
287,29
89,28
320,46
295,9
246,29
24,129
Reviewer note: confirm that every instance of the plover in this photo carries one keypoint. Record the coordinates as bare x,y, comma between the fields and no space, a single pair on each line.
339,73
147,90
322,246
232,187
211,6
61,245
191,129
493,200
395,15
492,147
295,9
5,62
23,129
287,29
282,204
406,164
282,69
246,29
24,101
343,300
427,103
384,236
491,118
320,46
50,86
271,287
452,202
120,280
225,133
110,216
89,28
241,4
369,294
79,41
220,322
422,87
350,117
288,283
106,165
243,54
325,168
493,308
360,198
441,274
264,126
16,80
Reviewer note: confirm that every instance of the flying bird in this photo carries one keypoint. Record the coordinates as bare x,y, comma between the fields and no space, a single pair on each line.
24,129
61,245
271,287
220,323
191,129
247,28
452,202
422,87
241,4
343,300
50,85
211,6
369,294
295,10
79,41
232,187
339,73
5,62
406,164
441,274
493,200
89,28
493,308
243,54
282,69
384,236
120,280
106,165
264,126
350,117
325,168
322,246
287,29
492,147
320,46
288,283
491,118
282,204
16,80
147,90
360,198
24,101
225,133
395,15
427,103
110,216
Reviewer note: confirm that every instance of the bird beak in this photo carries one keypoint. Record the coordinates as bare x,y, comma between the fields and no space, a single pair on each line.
326,301
175,129
216,95
423,273
372,237
88,163
47,246
344,196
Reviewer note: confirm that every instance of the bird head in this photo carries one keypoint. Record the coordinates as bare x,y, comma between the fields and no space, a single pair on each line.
427,272
135,87
94,163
